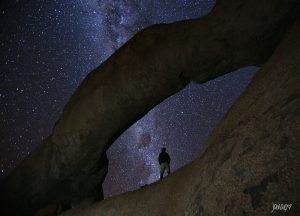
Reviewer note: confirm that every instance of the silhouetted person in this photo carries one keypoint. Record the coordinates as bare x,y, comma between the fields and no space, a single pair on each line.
164,161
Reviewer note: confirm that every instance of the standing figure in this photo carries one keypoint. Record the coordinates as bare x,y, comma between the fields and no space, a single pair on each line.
164,161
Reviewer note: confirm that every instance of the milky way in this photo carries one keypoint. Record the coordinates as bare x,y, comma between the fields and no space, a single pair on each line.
48,47
181,123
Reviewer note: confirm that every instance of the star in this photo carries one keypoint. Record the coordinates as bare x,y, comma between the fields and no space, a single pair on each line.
48,48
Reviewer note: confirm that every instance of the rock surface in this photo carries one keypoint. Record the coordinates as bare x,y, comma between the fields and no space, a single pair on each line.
154,64
251,159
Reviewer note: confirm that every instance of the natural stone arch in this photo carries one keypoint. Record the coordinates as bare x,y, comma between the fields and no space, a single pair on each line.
154,64
250,162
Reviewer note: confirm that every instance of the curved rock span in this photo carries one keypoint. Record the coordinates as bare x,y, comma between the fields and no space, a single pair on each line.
250,163
249,160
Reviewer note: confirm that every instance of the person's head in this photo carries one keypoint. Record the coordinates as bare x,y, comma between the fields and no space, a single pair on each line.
163,149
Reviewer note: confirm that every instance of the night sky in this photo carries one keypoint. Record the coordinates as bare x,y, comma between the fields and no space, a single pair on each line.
47,47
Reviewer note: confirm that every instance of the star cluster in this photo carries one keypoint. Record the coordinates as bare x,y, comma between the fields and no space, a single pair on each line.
48,47
181,123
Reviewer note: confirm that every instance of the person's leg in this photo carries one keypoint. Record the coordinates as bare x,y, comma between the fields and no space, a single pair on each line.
162,170
168,169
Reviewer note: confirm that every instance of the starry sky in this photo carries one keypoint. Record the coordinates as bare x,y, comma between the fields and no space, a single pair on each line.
47,47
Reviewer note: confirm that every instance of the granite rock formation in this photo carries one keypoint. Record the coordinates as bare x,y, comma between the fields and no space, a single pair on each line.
242,163
251,159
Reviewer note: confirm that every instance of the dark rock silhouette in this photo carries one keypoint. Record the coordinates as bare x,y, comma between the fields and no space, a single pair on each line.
250,161
249,145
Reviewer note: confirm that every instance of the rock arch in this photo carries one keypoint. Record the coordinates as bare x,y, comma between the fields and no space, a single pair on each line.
154,64
250,162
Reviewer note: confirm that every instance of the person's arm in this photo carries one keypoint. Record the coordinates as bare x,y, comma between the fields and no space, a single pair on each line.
159,159
169,159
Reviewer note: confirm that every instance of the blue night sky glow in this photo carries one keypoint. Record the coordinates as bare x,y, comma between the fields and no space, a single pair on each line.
48,47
